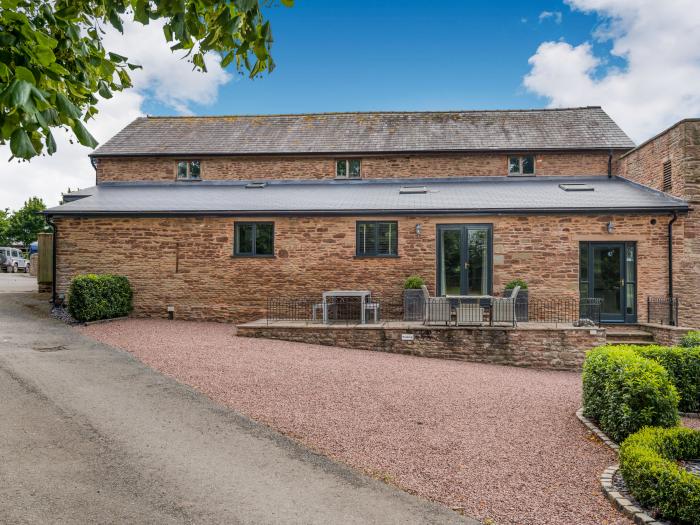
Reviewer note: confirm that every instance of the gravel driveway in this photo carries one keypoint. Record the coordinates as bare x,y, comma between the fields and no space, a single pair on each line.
502,443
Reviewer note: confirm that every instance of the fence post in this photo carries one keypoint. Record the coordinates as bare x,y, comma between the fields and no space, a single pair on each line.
648,309
46,255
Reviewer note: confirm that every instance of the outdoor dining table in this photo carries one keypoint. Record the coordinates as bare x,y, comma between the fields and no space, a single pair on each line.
364,295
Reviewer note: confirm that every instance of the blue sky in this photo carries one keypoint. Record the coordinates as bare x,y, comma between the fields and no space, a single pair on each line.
363,55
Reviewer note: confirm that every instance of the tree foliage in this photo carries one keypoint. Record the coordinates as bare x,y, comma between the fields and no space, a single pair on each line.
53,64
24,224
4,225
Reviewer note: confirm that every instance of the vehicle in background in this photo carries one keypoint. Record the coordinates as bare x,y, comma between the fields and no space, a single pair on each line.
33,248
12,260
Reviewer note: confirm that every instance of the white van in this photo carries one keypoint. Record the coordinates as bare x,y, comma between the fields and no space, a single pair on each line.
12,260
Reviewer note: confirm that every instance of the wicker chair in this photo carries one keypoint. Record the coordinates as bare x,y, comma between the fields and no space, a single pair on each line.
503,308
437,309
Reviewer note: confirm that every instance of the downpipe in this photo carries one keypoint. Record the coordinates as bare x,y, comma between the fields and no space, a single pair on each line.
672,318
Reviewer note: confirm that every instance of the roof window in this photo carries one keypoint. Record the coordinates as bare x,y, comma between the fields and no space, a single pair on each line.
576,186
413,189
256,185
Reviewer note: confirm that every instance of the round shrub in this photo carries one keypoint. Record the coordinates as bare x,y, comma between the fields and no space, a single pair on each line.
516,282
648,463
691,339
92,297
683,367
624,392
413,282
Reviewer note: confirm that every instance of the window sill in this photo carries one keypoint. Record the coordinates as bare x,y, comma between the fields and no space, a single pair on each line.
518,176
188,180
376,257
348,178
243,256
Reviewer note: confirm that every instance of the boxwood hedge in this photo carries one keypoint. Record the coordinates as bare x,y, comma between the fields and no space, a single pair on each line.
648,463
683,367
624,392
92,297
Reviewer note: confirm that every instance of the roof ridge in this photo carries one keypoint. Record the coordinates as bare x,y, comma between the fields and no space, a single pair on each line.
369,112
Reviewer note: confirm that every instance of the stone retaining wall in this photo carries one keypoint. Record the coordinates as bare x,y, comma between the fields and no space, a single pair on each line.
665,335
544,348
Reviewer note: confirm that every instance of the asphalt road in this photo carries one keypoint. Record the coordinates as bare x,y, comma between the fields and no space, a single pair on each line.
90,435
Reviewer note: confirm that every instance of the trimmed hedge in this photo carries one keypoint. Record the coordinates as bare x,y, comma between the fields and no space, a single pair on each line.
93,297
683,366
691,339
624,392
648,466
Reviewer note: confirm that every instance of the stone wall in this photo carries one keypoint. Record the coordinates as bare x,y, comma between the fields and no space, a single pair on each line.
373,166
680,145
665,335
544,348
187,262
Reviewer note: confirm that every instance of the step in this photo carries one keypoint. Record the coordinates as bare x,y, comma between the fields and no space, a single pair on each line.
628,334
630,342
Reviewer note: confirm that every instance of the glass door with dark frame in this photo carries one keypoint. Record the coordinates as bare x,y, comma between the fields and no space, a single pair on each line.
464,259
608,271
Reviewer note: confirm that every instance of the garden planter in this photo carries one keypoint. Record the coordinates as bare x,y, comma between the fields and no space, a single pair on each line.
521,304
413,304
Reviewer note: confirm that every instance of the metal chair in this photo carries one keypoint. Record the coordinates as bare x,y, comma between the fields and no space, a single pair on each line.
437,309
503,308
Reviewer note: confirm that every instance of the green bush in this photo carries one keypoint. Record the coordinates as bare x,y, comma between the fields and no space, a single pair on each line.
683,367
92,297
413,282
648,463
624,392
691,339
516,282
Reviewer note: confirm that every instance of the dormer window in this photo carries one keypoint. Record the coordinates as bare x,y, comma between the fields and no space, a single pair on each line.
188,170
347,169
521,165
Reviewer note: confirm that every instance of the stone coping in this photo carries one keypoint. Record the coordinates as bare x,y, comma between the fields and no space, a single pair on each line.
621,501
666,327
407,325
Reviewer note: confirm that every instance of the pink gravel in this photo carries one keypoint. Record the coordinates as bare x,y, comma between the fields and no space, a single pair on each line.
501,443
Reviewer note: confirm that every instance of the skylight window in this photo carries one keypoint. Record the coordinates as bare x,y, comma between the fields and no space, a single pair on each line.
256,185
577,186
413,189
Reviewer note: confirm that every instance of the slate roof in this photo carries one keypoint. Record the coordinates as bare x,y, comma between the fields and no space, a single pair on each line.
468,195
378,132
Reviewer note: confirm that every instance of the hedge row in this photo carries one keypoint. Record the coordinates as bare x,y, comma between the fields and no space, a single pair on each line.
649,468
93,297
624,392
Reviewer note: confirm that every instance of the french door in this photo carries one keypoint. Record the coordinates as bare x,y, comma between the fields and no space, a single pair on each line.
608,271
464,259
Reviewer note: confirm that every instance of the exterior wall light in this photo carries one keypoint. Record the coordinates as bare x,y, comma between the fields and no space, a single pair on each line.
419,228
611,227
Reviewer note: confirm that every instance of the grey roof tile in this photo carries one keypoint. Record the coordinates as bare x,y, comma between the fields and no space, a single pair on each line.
469,195
542,129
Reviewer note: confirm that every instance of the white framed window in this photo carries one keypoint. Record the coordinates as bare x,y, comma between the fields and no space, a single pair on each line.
347,169
188,169
521,165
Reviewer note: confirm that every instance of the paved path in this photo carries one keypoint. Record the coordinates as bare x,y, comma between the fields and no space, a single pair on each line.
90,435
17,282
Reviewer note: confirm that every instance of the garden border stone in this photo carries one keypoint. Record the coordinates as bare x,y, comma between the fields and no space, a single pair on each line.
621,502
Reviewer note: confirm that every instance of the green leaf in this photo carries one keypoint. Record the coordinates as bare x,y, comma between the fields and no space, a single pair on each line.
21,146
114,57
44,55
66,106
83,134
22,73
19,92
50,144
4,71
104,90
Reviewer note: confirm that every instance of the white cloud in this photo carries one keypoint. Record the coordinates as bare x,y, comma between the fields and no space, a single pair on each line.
556,16
164,78
659,43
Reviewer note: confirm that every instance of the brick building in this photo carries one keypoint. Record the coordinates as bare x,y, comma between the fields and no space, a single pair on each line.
213,215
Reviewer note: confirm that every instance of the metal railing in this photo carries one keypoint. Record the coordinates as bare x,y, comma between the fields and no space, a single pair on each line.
438,310
663,310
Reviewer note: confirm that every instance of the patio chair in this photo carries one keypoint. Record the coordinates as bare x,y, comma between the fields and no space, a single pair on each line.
323,307
470,314
372,308
437,309
503,308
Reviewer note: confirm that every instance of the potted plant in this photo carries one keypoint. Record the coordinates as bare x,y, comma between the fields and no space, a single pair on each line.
521,302
413,300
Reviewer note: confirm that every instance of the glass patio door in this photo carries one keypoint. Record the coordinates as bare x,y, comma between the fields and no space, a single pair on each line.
608,272
464,259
